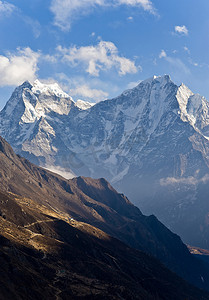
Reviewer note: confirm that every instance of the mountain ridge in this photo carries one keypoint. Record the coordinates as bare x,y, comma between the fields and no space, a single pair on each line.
155,134
43,253
97,203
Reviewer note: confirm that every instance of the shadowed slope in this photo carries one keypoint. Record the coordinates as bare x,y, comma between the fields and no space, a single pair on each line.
45,255
97,203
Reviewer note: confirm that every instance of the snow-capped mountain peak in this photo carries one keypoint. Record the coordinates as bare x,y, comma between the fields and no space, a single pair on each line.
105,138
83,104
28,105
53,88
194,109
162,80
24,85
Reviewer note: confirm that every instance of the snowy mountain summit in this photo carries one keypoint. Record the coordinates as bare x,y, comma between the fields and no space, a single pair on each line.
111,137
156,134
28,115
40,88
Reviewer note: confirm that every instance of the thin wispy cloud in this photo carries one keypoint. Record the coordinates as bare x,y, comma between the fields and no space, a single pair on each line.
53,59
34,24
184,180
178,64
17,67
102,57
78,87
175,62
6,8
66,11
181,30
85,91
145,4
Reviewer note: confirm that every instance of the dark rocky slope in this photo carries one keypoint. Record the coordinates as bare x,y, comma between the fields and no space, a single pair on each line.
45,255
97,203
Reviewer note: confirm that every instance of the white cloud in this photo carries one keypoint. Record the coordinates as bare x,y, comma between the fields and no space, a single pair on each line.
103,56
145,4
181,29
61,171
184,180
49,58
91,90
16,68
6,8
193,63
130,19
87,92
162,54
65,11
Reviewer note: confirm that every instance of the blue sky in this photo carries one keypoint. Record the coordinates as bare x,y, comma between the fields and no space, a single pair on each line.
95,49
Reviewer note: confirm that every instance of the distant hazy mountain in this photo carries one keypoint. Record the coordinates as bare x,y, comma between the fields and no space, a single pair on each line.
151,142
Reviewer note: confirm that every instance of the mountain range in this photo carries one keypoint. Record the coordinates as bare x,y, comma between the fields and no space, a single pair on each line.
95,202
151,143
80,239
